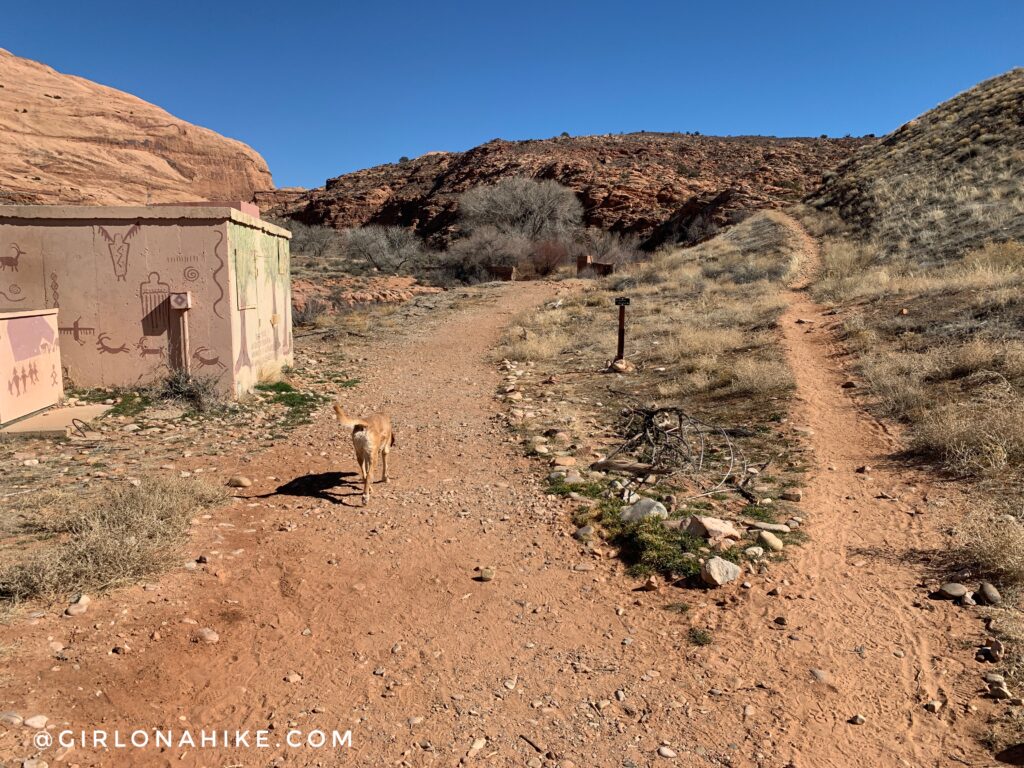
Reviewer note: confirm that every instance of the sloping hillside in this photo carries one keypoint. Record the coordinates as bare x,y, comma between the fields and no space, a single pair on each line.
66,139
943,183
667,185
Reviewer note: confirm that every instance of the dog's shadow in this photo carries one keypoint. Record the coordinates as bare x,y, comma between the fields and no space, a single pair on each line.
321,485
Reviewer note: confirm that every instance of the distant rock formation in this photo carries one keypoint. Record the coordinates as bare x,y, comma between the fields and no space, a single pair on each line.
653,185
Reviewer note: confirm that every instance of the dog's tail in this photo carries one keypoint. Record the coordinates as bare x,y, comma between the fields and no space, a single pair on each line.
346,421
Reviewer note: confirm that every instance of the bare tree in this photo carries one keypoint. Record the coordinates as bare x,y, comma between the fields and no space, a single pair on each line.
468,259
392,250
609,247
311,241
533,209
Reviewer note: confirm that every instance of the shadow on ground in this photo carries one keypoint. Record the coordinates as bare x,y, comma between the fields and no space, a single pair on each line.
322,485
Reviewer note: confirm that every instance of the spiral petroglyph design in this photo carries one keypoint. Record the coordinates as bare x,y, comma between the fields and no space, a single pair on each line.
191,274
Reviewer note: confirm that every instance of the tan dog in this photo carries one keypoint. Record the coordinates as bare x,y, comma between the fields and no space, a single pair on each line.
371,437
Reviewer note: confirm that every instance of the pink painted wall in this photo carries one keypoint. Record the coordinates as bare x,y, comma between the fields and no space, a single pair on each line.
111,272
30,373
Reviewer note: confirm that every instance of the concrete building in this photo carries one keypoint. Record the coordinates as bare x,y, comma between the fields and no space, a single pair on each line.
143,291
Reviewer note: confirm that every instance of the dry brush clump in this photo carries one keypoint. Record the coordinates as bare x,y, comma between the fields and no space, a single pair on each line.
107,539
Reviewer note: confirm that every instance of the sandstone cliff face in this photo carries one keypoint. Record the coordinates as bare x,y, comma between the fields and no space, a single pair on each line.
659,187
68,140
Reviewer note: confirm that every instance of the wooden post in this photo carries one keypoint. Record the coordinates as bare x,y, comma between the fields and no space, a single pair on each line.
621,302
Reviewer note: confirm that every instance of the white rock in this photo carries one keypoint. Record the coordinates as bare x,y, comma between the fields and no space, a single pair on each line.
36,721
717,571
711,528
770,540
643,509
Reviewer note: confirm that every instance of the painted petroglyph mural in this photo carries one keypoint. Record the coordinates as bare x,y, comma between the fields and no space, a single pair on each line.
156,309
120,329
119,246
13,294
11,262
204,358
106,348
28,350
77,331
220,267
147,351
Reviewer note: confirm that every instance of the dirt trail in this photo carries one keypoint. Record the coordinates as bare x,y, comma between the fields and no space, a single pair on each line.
555,662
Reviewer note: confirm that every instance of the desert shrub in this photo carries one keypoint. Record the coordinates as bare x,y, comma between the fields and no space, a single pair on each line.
124,535
993,543
313,241
546,257
390,250
533,209
980,435
610,247
198,392
311,311
468,258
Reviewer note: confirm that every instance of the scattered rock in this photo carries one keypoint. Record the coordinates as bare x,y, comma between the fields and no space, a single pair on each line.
770,540
711,528
485,574
621,366
239,481
10,719
584,533
206,635
78,606
564,461
793,494
771,527
478,745
934,705
36,721
754,552
584,567
716,572
643,509
665,751
864,470
293,677
857,720
951,591
988,594
821,676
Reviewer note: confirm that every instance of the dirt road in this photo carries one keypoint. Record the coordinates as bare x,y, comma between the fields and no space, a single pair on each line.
333,616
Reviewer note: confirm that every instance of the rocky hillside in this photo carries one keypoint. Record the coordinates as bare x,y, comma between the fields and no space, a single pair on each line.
66,139
943,183
657,186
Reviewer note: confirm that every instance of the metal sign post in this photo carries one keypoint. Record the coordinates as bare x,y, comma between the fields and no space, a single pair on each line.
622,302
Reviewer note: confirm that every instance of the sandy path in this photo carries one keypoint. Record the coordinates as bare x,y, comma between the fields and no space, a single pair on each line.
377,610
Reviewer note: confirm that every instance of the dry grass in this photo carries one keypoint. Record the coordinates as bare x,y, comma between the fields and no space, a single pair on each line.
942,184
942,348
108,539
705,314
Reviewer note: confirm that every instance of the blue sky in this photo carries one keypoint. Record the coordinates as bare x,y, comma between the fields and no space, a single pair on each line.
323,88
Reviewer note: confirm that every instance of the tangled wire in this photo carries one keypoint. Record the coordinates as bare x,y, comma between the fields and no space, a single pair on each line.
664,442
